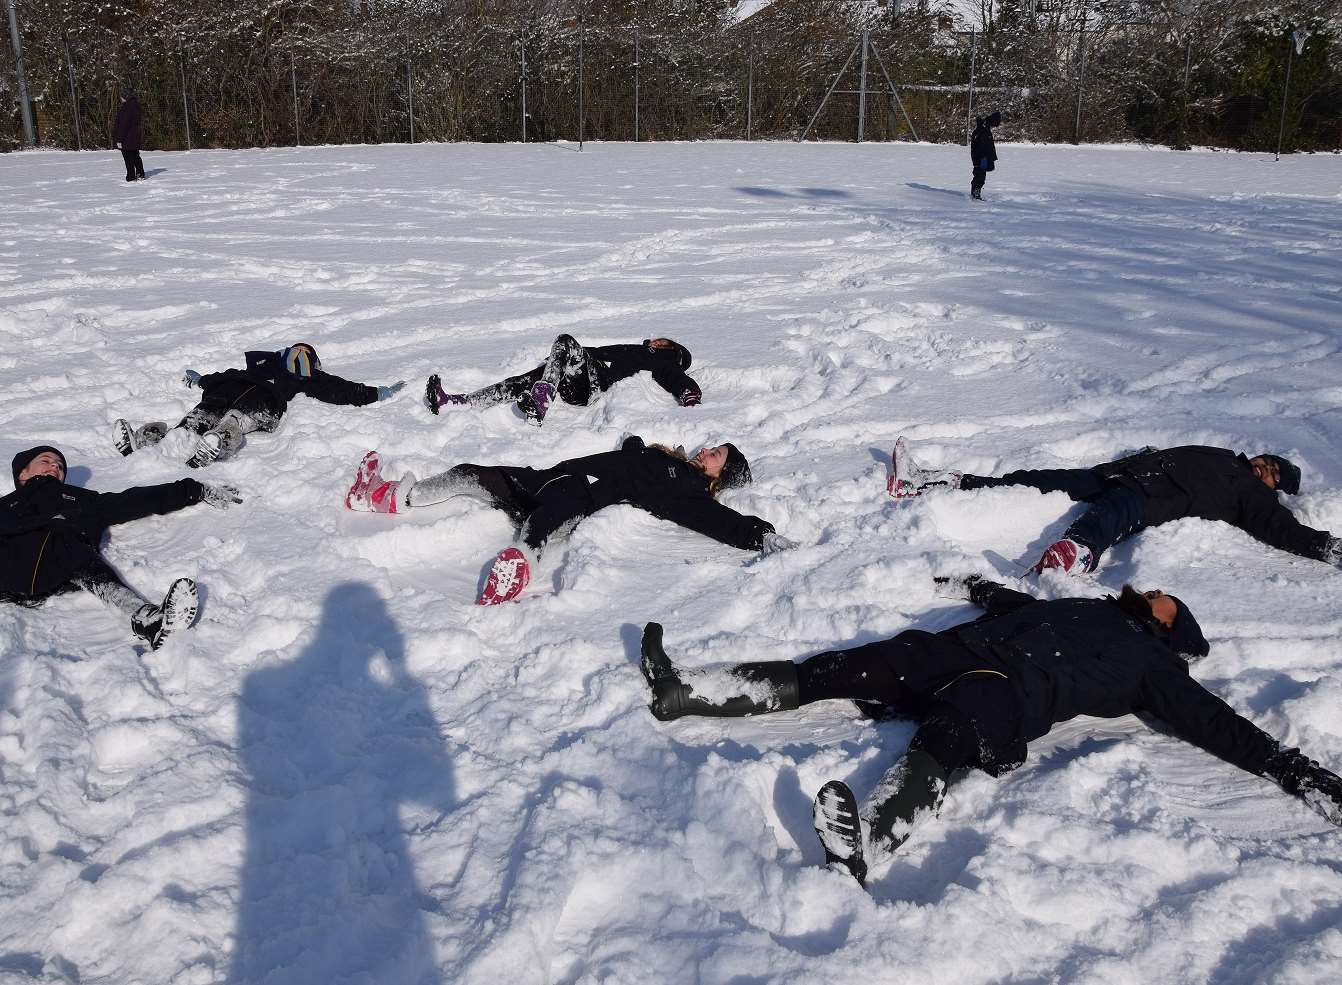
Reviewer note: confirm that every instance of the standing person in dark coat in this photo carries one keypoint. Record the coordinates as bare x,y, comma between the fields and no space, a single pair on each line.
128,133
576,375
983,151
982,690
50,531
238,402
1145,490
548,503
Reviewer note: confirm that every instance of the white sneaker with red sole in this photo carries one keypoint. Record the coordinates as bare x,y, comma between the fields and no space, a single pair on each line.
371,493
509,575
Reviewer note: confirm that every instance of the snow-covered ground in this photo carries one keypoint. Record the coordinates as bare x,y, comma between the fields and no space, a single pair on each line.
349,773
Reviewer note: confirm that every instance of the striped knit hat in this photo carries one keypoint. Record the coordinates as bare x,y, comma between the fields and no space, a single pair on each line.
300,359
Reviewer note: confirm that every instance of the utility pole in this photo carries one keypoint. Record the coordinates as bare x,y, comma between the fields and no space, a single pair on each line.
25,107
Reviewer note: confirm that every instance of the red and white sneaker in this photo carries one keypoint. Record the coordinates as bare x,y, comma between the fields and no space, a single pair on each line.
510,574
907,479
371,493
1068,556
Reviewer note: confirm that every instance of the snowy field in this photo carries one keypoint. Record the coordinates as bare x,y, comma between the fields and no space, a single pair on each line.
351,774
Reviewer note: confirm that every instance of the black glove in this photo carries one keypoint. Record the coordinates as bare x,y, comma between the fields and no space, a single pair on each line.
957,586
1300,776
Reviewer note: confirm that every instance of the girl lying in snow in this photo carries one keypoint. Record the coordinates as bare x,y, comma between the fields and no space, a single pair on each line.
1147,489
545,503
238,402
576,375
49,534
984,689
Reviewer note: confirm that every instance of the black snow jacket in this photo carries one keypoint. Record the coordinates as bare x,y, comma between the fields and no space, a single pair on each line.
48,530
265,373
1213,484
652,480
981,145
1070,657
128,130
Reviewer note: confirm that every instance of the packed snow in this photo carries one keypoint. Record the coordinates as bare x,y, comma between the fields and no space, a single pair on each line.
349,773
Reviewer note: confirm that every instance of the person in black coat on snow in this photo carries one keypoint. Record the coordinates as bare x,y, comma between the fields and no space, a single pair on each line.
50,532
128,133
238,402
1149,488
983,690
577,374
548,503
983,151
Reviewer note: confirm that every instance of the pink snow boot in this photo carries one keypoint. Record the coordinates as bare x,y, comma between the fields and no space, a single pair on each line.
510,574
371,493
1068,556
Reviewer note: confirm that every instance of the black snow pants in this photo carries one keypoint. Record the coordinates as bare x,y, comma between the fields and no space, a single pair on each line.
976,185
570,369
1115,510
134,165
542,502
97,578
969,714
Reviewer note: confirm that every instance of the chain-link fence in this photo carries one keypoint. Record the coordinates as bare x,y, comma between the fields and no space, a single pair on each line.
307,72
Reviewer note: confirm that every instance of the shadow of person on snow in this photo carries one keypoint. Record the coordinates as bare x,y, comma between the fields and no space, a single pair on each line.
332,744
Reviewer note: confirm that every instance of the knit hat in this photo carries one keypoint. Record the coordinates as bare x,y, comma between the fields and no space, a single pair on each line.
1186,635
24,458
1288,474
995,120
300,359
735,470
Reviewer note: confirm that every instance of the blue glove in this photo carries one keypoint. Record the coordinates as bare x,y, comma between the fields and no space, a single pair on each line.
984,164
387,392
191,378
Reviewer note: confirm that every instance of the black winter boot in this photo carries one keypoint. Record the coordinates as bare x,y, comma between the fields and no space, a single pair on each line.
155,623
910,792
769,686
840,828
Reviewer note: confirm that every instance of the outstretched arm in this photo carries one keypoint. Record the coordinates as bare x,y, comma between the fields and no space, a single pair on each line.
331,389
1196,715
142,501
1272,523
992,598
713,519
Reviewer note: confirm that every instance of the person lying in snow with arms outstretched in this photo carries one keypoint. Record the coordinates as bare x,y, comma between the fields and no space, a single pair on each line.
548,503
238,402
576,375
982,690
1145,490
50,531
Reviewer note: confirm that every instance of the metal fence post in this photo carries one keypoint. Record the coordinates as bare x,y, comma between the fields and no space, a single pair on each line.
750,86
969,111
293,84
74,96
25,108
637,69
186,109
410,87
1081,78
522,45
862,89
582,36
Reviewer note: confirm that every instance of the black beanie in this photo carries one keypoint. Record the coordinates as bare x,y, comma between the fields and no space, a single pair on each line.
23,458
1288,474
1186,635
995,120
736,470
